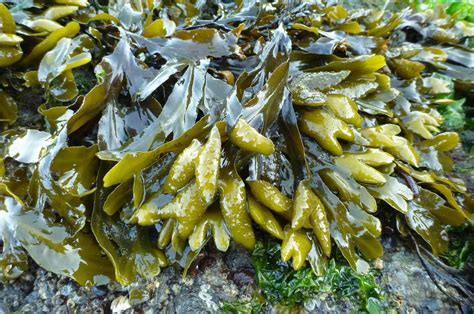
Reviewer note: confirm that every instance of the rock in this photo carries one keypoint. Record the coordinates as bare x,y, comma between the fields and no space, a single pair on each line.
66,290
409,285
224,277
378,263
99,291
238,259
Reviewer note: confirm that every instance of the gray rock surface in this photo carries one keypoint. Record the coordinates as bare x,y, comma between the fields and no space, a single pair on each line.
409,287
218,277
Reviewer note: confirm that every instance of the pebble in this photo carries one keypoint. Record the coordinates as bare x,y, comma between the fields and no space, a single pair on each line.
401,274
378,264
99,291
65,290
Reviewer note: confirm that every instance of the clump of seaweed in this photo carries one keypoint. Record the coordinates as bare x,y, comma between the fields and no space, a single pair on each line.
296,119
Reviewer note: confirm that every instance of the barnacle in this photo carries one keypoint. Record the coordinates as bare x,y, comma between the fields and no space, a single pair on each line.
220,131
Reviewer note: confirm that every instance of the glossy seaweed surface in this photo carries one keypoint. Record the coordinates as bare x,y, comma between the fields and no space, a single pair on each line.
164,125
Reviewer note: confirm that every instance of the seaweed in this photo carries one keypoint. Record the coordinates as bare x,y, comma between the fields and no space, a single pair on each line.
460,253
280,284
293,119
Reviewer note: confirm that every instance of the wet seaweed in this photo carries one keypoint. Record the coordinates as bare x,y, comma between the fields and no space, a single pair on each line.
297,119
